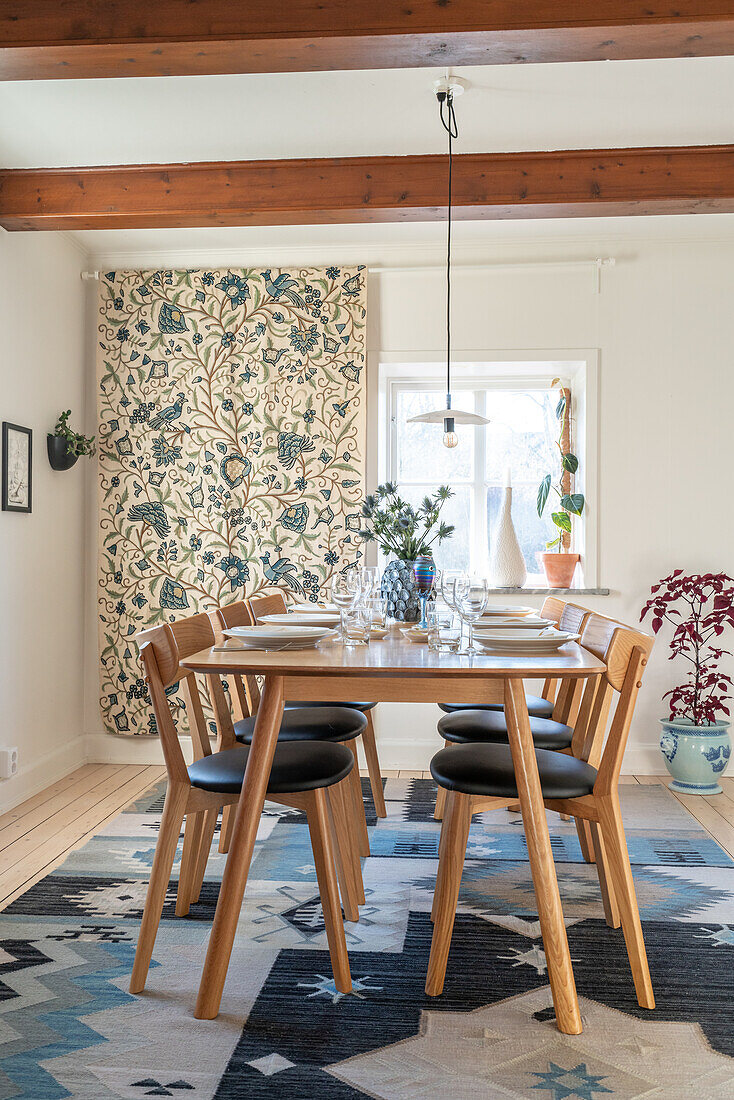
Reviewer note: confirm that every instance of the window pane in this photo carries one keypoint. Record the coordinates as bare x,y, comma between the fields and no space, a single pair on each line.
421,455
532,532
521,435
453,553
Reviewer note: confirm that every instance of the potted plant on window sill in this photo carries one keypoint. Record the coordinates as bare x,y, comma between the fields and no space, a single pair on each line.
64,445
405,534
560,564
695,741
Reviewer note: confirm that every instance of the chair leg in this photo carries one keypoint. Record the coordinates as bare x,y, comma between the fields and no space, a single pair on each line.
608,897
585,839
373,766
189,857
360,820
440,804
225,833
615,844
345,852
174,809
448,880
205,847
323,857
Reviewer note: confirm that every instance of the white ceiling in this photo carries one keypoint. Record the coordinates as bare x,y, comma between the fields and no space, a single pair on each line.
519,107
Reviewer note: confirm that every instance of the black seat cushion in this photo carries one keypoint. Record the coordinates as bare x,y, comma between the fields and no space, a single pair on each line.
310,724
537,706
293,705
297,766
491,726
487,770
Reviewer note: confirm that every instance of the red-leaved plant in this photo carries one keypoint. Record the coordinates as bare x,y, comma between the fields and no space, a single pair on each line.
700,608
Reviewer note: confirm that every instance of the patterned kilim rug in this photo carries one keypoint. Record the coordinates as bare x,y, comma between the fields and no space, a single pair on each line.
68,1026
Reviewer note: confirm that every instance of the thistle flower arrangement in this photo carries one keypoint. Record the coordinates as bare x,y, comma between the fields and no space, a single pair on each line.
399,529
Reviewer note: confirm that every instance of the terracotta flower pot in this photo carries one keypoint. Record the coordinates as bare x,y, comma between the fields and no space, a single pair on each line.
559,568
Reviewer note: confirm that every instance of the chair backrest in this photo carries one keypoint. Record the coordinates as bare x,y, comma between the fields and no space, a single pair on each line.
625,652
235,614
552,609
246,691
267,605
162,648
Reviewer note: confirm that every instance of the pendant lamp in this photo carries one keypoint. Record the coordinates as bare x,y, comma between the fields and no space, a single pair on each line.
445,90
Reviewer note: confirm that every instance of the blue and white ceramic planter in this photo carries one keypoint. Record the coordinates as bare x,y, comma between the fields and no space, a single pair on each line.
695,756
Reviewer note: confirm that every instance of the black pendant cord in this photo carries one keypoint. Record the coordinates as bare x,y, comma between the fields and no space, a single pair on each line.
450,126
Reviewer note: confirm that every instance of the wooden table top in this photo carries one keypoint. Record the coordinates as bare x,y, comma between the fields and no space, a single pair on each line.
394,656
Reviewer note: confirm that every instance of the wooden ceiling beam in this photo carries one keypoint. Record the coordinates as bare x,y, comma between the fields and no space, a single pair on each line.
573,183
47,39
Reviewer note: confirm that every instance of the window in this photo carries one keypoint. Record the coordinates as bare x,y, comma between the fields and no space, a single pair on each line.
520,440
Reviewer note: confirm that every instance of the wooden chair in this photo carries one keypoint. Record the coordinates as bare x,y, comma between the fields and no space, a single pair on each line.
550,722
582,782
251,611
311,777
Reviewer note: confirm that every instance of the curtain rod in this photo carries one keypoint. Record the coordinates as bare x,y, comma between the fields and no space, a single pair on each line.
597,263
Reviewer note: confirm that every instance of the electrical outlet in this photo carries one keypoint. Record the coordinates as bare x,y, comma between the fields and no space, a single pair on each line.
8,763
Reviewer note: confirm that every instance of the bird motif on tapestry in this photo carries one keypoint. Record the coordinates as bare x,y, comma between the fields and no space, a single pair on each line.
280,571
153,513
290,446
281,287
168,415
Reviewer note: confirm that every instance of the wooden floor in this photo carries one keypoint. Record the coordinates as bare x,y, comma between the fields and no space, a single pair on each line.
37,836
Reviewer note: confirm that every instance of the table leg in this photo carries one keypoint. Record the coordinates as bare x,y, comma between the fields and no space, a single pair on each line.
247,819
542,867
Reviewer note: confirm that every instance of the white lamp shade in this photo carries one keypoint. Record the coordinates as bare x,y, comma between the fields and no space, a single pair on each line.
457,415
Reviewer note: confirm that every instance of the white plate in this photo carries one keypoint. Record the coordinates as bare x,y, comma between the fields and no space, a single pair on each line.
506,611
379,632
522,622
514,634
315,608
415,629
528,645
277,634
324,618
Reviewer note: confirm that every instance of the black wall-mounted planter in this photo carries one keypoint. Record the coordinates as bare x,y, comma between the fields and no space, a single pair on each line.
58,455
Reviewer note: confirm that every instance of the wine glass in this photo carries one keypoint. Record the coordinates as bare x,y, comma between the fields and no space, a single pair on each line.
370,580
472,594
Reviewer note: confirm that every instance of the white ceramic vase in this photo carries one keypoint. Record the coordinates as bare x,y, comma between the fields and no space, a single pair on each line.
506,563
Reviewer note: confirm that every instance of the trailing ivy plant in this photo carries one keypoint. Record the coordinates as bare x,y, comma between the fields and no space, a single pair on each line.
569,504
76,444
401,530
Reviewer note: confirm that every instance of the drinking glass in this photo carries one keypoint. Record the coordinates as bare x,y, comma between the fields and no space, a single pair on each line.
356,625
472,594
346,589
378,610
444,631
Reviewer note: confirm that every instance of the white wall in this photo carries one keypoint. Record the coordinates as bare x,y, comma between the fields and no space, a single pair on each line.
664,327
42,554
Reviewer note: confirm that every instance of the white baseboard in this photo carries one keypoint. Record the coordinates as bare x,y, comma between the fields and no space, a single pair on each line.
42,772
643,759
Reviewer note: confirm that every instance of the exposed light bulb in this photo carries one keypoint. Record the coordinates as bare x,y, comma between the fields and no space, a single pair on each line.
450,439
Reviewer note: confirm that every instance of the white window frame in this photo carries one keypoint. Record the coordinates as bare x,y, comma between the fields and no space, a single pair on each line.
578,368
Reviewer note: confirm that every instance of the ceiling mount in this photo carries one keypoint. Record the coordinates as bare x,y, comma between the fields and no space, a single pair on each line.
450,83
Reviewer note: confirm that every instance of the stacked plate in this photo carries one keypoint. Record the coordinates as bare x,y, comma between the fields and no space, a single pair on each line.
302,618
314,608
497,611
278,637
528,641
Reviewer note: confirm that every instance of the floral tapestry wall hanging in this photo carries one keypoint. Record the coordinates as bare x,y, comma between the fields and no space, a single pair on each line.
231,449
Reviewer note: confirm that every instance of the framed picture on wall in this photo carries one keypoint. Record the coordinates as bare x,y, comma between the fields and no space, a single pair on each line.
17,472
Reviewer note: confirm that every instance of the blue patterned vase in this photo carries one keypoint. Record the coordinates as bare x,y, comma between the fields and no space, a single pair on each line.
695,756
424,574
400,590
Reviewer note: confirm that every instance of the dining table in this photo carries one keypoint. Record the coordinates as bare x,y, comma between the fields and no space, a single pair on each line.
393,670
